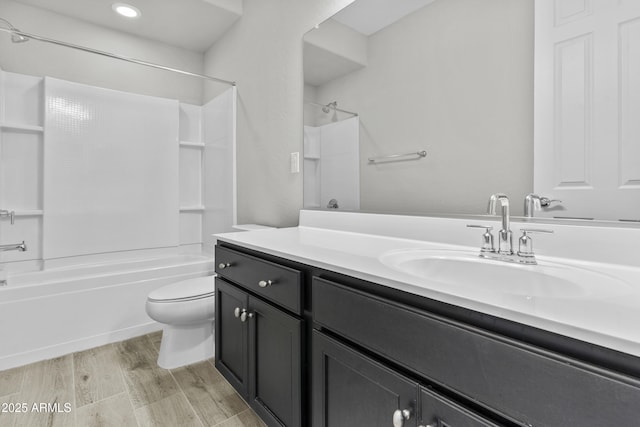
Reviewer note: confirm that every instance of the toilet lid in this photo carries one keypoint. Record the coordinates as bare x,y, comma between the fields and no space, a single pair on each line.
199,287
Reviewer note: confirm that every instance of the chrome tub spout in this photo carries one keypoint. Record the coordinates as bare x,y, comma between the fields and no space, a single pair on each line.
22,247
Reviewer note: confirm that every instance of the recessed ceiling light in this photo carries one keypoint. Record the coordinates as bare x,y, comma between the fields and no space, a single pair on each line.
126,10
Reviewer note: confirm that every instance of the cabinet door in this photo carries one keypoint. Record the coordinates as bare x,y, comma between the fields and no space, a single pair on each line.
275,364
349,389
231,336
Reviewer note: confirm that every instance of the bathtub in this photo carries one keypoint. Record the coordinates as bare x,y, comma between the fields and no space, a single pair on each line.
75,305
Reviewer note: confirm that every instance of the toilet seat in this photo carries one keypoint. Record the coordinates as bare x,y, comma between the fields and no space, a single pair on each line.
185,290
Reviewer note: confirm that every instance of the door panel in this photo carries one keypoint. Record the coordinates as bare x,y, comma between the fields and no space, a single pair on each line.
587,100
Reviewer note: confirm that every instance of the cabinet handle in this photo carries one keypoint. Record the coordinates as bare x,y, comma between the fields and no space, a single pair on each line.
224,265
236,312
400,416
245,315
436,424
266,283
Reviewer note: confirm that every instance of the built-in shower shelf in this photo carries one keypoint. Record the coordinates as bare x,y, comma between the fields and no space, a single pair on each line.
21,127
192,144
195,208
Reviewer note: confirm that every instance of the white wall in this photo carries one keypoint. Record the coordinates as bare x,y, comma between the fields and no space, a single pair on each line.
40,59
219,196
455,79
110,171
263,54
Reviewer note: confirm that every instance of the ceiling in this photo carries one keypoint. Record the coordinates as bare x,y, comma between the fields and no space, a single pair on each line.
323,63
370,16
190,24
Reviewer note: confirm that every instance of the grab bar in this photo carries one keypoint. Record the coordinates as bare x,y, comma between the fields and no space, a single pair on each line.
22,247
398,157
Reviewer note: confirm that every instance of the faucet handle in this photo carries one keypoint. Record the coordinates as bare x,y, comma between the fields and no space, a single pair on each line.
545,202
487,237
535,230
525,244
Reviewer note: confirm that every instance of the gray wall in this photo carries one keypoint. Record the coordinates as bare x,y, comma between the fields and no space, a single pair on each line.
455,79
40,59
476,122
262,52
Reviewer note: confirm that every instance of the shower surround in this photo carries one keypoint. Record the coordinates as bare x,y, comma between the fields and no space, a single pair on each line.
115,194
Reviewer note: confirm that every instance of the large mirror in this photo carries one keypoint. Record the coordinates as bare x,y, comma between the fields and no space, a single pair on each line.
438,97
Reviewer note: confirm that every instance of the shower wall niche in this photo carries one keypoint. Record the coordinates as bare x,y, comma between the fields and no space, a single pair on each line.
90,171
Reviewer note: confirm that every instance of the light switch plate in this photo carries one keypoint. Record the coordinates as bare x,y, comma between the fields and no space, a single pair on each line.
294,161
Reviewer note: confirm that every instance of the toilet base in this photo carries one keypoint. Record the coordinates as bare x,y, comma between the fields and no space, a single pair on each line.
184,345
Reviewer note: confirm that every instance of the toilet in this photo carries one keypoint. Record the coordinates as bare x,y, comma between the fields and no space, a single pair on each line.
186,308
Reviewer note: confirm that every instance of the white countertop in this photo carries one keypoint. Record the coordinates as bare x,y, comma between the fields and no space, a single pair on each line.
605,317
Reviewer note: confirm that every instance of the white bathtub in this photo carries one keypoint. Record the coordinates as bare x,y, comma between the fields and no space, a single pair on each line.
56,311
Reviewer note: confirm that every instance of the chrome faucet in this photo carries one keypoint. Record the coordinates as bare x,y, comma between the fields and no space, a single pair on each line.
505,251
533,202
505,238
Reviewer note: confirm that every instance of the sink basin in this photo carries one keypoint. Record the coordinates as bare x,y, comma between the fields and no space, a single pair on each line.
462,270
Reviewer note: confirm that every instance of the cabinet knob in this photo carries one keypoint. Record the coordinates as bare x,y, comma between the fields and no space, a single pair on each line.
224,265
265,283
245,315
400,416
242,314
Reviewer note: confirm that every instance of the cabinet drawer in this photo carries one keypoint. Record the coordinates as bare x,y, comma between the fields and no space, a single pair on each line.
521,382
274,282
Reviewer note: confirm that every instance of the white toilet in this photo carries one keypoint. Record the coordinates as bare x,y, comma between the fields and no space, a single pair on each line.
187,310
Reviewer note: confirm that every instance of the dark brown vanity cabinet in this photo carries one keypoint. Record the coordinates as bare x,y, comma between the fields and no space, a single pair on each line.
258,342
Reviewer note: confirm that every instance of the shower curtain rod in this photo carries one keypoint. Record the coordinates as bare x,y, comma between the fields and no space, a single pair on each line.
336,108
113,55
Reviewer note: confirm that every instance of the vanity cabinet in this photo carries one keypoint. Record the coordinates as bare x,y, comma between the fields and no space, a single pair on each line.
352,389
326,349
258,342
513,381
356,391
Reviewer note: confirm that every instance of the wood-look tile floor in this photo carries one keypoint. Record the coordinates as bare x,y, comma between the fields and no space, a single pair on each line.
120,385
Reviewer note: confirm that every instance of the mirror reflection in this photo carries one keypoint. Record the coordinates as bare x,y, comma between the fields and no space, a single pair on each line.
456,79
